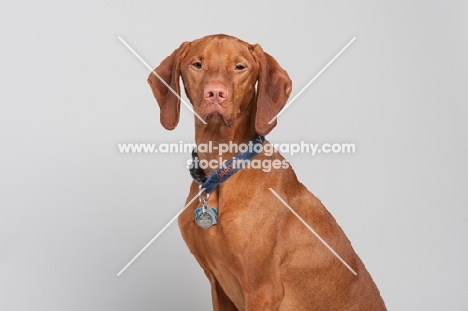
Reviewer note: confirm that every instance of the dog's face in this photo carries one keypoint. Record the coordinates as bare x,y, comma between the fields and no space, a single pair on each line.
220,73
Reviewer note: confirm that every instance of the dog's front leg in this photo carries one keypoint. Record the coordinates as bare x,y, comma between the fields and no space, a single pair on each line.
220,300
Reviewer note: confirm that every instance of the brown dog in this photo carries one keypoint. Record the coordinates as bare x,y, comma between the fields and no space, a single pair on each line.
259,256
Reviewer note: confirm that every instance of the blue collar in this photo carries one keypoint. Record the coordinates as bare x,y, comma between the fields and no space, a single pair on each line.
227,170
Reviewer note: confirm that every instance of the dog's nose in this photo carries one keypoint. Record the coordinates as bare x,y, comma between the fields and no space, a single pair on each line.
215,93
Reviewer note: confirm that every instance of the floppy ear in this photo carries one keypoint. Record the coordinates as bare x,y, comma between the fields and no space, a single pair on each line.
274,87
169,71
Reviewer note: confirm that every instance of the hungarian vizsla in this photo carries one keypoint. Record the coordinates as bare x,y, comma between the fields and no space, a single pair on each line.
259,255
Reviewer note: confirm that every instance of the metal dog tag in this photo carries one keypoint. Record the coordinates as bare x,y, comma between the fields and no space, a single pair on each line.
206,216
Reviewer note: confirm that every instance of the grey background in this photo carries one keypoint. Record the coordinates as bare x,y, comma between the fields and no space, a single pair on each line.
74,210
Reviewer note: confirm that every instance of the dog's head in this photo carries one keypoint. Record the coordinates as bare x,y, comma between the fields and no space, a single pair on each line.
220,73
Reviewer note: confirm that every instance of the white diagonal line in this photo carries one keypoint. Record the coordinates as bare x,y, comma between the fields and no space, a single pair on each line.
313,79
164,82
160,232
313,231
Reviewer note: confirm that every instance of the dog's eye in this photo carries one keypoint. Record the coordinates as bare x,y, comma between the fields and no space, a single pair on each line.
197,65
240,67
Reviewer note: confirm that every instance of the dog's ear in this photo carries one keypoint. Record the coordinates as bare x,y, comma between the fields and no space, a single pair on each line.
169,71
273,89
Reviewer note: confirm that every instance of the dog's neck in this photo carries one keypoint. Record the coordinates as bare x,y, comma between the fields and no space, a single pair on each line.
216,134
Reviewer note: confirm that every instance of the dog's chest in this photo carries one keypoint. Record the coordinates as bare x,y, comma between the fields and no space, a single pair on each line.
202,242
216,243
216,248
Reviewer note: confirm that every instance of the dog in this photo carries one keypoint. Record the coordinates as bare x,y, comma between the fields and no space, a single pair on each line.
256,253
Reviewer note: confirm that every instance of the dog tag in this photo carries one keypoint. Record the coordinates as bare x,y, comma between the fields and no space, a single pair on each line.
206,216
